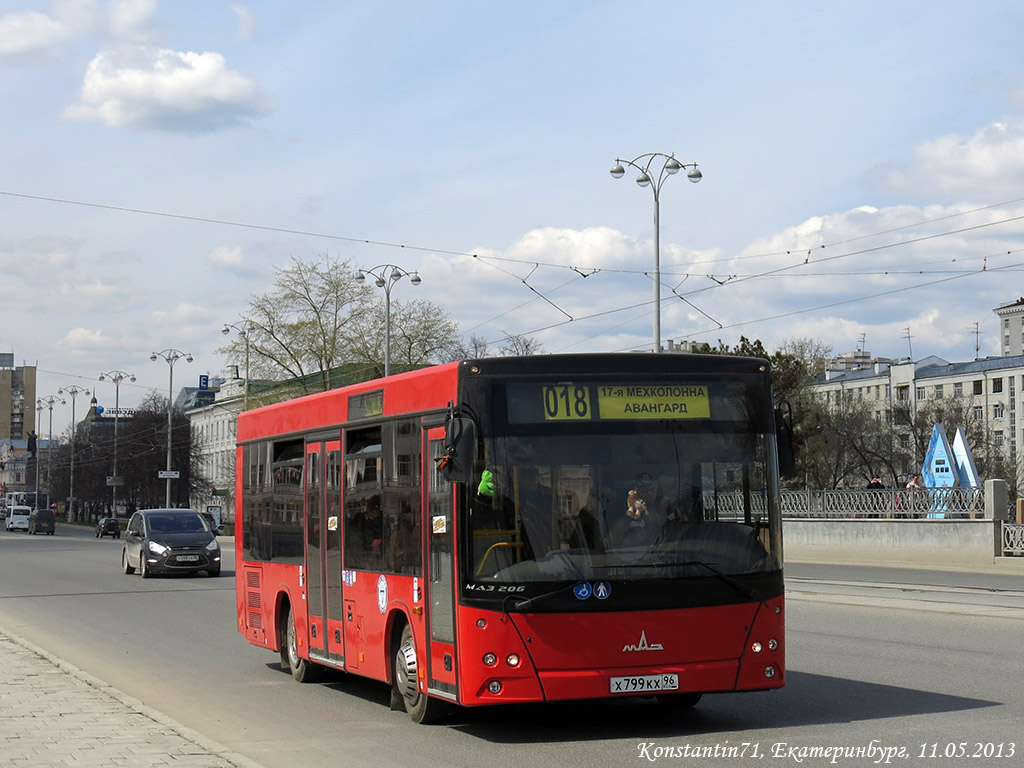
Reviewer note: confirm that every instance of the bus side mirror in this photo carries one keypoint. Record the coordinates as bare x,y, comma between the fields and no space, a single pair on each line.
784,441
456,464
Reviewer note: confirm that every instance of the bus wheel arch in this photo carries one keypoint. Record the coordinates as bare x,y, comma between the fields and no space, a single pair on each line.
405,674
302,670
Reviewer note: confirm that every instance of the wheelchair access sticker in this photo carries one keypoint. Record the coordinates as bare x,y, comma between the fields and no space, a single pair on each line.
601,590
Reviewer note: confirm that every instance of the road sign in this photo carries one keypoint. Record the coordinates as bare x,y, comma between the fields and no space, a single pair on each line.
169,474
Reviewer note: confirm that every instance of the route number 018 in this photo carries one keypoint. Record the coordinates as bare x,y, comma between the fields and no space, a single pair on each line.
566,401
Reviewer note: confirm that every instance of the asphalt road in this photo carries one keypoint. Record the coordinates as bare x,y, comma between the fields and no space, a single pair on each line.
878,659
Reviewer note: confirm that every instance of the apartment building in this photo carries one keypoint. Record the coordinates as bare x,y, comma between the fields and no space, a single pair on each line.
17,399
991,386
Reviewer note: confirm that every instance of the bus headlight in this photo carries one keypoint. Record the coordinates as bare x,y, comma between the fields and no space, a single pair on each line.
512,660
490,659
494,686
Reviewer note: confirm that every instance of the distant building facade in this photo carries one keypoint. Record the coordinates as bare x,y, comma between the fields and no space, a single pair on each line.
992,387
17,399
214,419
1011,327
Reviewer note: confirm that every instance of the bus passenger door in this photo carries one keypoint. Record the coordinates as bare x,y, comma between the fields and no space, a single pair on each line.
314,492
439,572
323,550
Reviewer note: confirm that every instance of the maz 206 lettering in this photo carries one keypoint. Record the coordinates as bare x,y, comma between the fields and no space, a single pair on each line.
496,587
969,749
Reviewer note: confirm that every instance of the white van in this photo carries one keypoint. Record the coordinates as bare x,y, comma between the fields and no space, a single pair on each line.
17,518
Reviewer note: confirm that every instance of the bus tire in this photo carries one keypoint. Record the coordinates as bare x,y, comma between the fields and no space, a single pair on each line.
679,700
405,683
303,670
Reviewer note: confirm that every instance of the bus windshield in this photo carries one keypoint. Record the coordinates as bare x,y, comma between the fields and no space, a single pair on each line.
624,505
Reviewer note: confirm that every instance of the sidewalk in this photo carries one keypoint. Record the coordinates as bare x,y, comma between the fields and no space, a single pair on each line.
54,714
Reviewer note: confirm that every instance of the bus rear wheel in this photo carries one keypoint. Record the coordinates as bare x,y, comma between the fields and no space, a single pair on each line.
405,683
302,670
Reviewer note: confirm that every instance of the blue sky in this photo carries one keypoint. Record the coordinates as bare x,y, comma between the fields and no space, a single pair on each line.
863,170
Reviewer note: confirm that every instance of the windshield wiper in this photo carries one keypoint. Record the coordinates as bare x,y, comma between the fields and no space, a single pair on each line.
526,602
736,584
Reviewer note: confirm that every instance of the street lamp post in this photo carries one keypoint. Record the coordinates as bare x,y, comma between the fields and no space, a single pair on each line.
669,167
48,402
117,377
73,392
35,458
171,356
386,275
243,331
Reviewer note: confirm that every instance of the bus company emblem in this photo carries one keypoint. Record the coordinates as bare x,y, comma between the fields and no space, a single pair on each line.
382,593
643,645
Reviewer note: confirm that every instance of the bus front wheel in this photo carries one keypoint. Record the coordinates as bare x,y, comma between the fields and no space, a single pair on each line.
302,670
405,683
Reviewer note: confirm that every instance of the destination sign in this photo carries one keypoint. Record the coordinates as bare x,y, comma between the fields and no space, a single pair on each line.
614,402
654,402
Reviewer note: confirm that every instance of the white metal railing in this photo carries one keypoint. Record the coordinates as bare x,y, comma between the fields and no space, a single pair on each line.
887,502
1013,539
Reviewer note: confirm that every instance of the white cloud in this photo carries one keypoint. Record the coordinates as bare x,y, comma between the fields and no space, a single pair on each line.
246,23
28,34
131,19
987,166
78,338
165,90
231,259
182,314
84,294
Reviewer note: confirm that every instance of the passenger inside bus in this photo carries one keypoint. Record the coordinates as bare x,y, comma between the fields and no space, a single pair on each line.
363,533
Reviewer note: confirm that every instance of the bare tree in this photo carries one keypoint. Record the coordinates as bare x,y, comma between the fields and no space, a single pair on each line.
515,344
318,321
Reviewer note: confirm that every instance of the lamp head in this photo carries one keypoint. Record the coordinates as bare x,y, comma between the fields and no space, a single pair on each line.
188,358
153,357
672,166
360,277
695,175
643,179
225,330
617,171
415,279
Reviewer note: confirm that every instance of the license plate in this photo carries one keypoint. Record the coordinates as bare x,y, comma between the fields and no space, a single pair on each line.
188,558
644,684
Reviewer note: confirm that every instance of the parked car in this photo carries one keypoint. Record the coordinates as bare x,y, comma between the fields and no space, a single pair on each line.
108,526
17,518
169,541
42,521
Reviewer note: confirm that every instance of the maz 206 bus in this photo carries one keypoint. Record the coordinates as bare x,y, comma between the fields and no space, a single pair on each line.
530,529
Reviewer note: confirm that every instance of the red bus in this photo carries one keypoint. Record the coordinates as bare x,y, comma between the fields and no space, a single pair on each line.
521,530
